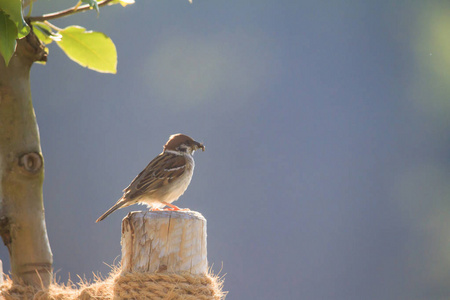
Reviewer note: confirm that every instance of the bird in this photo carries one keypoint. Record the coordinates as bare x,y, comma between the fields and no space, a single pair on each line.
164,179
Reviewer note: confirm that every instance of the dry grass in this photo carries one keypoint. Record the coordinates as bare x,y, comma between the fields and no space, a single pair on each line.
124,286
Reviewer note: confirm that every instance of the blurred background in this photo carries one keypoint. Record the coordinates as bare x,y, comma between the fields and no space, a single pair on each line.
326,173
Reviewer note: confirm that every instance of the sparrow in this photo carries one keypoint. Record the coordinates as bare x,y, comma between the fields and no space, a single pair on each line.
164,179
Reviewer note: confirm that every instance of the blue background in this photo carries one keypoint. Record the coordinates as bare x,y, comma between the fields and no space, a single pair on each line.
326,173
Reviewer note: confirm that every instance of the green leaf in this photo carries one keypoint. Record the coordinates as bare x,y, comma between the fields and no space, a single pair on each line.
45,33
126,2
92,3
13,8
42,35
8,35
122,2
90,49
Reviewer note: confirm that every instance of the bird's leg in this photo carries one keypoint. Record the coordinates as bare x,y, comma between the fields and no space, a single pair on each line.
174,207
154,209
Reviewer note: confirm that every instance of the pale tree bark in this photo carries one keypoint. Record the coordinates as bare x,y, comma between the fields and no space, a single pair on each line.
22,218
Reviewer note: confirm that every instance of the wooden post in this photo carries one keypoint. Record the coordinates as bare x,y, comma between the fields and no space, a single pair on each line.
164,241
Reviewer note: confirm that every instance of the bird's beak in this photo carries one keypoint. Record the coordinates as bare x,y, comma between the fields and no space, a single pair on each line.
200,146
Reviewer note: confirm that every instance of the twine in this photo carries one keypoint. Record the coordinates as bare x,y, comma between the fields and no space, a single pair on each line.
166,286
157,286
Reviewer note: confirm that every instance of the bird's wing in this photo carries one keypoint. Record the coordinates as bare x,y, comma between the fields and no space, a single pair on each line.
162,170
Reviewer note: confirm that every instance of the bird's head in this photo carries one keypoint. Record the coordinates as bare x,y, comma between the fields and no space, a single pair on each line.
183,143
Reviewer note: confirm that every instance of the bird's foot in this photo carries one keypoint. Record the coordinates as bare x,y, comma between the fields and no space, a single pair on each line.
176,209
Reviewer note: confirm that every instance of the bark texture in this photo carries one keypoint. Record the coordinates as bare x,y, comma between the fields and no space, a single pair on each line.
22,218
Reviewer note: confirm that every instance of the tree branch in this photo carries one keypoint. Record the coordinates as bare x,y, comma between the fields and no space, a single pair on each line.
65,13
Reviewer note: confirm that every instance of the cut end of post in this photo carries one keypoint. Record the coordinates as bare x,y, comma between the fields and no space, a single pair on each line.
164,241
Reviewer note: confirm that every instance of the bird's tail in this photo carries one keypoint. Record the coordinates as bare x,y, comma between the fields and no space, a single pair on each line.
121,203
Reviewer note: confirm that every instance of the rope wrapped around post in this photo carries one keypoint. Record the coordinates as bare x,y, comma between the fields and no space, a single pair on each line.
166,286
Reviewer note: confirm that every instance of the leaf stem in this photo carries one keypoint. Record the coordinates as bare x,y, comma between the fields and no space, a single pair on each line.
65,13
52,26
30,9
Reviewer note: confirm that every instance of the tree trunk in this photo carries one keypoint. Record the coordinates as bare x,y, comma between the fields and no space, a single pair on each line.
22,219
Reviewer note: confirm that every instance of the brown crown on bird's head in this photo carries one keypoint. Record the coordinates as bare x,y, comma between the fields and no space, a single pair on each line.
181,142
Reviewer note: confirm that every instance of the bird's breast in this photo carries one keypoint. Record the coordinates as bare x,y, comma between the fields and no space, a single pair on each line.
178,187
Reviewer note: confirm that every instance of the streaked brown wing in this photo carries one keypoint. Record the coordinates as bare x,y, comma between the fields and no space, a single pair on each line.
162,170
